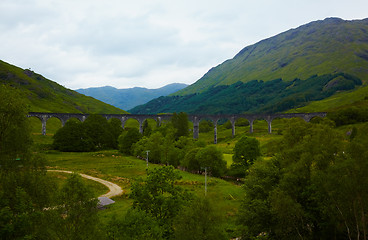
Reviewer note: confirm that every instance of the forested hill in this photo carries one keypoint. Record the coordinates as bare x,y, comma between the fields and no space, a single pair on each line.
43,95
322,47
254,96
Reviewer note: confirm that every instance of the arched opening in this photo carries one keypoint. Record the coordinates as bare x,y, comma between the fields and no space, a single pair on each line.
242,126
52,125
73,119
260,126
131,123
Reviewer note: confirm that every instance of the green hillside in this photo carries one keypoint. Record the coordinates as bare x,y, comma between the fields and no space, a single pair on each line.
322,47
44,95
254,96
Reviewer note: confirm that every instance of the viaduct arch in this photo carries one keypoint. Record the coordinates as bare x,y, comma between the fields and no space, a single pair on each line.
194,118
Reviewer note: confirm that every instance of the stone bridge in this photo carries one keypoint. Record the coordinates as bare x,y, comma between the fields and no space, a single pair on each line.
194,118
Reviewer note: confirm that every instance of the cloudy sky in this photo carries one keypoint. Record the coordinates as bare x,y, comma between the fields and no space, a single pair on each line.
151,43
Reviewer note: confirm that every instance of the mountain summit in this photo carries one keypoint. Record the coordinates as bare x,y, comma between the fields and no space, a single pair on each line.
309,63
327,46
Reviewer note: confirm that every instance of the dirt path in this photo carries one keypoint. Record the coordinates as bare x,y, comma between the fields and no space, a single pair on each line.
115,190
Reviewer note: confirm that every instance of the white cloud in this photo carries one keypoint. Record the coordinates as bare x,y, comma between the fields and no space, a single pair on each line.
146,43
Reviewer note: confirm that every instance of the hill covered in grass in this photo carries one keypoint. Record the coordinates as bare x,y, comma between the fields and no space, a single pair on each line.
44,95
322,47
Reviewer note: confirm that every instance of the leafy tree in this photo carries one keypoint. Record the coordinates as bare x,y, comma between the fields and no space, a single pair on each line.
246,151
25,190
15,138
159,197
79,208
213,159
134,226
127,139
190,161
147,130
311,188
199,221
181,124
72,138
205,126
116,129
98,130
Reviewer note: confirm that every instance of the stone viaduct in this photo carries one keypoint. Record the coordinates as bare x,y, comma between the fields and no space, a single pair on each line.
194,118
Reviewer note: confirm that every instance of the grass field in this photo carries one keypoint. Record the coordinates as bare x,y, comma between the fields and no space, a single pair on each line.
123,170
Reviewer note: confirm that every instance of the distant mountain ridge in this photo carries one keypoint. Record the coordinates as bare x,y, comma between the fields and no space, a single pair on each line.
308,63
130,97
44,95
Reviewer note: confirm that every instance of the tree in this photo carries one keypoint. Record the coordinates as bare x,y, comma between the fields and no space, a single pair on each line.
79,208
212,158
15,139
147,130
181,124
159,197
25,190
98,130
116,129
127,139
135,225
199,221
190,161
72,138
246,151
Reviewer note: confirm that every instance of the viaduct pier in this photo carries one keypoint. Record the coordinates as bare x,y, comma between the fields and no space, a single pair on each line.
194,118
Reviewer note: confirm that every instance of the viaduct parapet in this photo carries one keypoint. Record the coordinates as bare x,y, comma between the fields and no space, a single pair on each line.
194,118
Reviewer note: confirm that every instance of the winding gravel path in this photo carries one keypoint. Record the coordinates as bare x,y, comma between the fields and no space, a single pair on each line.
115,190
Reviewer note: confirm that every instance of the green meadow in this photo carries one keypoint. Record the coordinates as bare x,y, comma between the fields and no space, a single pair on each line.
123,170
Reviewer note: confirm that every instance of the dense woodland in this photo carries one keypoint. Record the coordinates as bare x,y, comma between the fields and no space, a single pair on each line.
311,185
254,96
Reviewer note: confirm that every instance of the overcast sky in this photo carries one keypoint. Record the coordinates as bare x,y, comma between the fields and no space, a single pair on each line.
151,43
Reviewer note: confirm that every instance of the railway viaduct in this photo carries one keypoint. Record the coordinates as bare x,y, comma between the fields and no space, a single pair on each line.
194,118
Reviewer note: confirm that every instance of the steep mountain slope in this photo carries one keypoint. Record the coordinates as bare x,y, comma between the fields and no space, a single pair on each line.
321,47
254,96
131,97
44,95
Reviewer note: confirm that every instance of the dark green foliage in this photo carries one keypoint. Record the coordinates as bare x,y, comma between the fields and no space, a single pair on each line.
73,138
127,139
14,126
80,209
254,96
211,158
115,129
181,124
246,151
159,197
191,162
99,132
311,189
198,221
95,133
205,126
135,225
147,130
349,115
